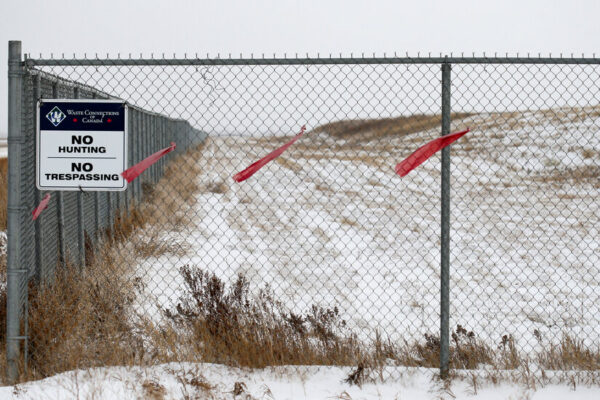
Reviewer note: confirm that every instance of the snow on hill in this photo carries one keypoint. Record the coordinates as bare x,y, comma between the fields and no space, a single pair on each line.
330,223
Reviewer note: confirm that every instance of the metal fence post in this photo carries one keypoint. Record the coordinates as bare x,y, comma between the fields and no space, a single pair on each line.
157,146
80,221
445,239
137,143
147,128
133,126
37,193
60,206
15,207
134,149
151,148
163,134
96,235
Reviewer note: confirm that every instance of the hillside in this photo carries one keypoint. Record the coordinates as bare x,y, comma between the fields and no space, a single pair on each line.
333,224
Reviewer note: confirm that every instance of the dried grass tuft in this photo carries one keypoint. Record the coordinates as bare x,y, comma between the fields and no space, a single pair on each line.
153,390
227,325
570,354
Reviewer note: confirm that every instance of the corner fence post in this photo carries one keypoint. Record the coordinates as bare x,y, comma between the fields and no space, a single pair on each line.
16,273
445,223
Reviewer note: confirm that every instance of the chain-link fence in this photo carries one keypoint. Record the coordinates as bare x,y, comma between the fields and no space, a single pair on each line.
76,220
328,223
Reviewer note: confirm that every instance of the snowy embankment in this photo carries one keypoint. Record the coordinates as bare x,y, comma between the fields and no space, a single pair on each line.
208,381
333,225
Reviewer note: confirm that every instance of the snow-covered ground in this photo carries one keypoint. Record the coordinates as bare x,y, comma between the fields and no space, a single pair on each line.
331,224
207,381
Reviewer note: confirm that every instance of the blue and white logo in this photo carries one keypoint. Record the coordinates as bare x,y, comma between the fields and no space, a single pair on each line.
56,116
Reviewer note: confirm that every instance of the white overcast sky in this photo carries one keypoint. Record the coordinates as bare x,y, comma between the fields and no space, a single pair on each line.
278,26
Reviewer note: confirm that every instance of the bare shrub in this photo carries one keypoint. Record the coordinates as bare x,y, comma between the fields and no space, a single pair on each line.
466,351
227,325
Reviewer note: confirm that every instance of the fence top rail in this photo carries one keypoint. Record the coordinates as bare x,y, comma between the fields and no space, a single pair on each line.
303,61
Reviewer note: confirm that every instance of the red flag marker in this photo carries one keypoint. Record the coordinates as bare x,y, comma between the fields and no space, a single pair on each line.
133,172
248,172
41,207
424,152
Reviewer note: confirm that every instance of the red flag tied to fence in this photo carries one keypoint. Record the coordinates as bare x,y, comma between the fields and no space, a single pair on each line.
424,152
41,207
133,172
248,172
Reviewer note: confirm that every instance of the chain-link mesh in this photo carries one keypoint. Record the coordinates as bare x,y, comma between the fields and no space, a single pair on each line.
59,235
99,208
526,202
329,223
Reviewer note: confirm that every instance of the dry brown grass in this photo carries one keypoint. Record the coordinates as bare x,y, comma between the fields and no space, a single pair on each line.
577,175
348,221
174,192
466,351
588,153
289,164
359,158
361,130
470,357
225,324
82,318
153,390
570,354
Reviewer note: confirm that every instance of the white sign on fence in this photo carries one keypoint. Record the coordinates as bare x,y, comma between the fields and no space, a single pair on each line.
81,144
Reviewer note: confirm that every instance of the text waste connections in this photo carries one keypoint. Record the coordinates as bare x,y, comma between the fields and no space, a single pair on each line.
81,144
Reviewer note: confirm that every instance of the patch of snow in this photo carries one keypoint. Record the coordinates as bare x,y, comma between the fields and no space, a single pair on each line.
181,381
